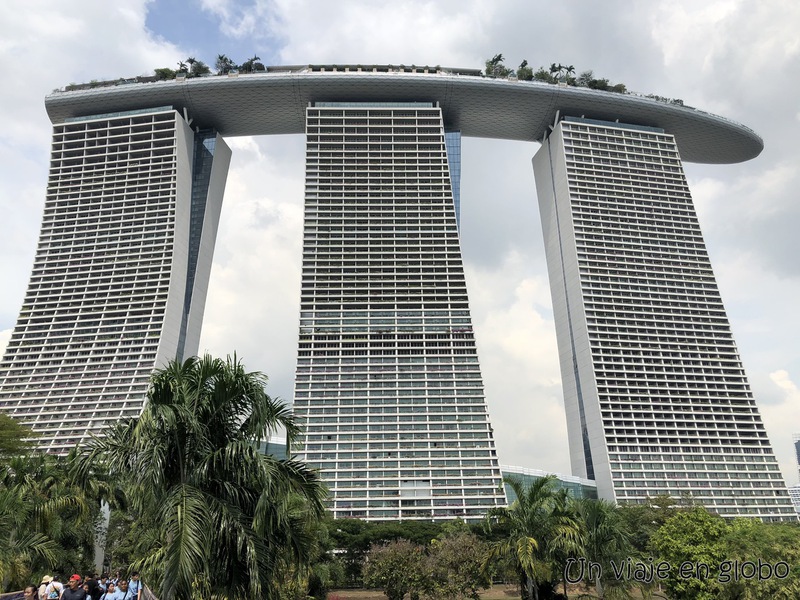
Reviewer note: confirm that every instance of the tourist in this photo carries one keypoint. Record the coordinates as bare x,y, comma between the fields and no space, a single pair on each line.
135,586
123,593
53,588
110,593
30,593
75,590
92,586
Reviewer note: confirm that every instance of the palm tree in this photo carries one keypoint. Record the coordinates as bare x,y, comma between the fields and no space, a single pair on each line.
542,529
223,64
20,545
46,517
252,65
606,537
225,520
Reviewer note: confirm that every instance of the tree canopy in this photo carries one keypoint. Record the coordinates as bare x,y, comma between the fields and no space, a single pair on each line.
219,518
556,73
14,437
543,531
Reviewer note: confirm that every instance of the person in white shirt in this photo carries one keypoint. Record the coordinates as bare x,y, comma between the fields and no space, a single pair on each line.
135,586
110,593
53,590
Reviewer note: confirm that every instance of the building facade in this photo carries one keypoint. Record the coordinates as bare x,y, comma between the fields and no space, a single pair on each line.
388,390
794,494
656,396
121,270
388,386
576,487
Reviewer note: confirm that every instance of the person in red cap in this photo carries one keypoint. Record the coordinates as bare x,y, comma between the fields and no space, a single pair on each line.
75,590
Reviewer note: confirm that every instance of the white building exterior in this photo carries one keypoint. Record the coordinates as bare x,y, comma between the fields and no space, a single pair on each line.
794,494
120,274
388,386
388,389
657,400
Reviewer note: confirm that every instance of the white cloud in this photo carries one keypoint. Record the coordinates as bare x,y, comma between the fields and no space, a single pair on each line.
517,347
254,291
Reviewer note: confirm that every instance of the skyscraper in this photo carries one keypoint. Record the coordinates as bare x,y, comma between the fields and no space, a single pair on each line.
794,490
121,270
388,389
388,386
656,396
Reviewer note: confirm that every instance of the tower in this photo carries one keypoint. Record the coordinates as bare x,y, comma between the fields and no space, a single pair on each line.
120,275
388,388
387,383
657,400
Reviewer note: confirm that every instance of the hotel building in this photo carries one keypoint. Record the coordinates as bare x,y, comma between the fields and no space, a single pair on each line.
120,275
656,396
388,387
388,390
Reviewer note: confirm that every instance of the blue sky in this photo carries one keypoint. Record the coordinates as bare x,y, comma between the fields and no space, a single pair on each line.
197,28
185,24
734,58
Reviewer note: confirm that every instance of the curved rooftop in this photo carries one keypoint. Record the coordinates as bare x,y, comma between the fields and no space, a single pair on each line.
274,102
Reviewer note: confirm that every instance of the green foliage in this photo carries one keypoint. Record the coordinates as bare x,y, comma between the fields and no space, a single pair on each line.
543,531
252,65
641,521
694,537
325,570
355,537
556,73
455,566
524,72
224,65
750,540
453,527
398,568
675,101
197,68
450,567
219,518
545,76
741,556
20,546
191,67
562,73
496,68
14,438
605,540
164,73
47,518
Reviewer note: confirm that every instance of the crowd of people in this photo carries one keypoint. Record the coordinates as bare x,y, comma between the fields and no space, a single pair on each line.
90,587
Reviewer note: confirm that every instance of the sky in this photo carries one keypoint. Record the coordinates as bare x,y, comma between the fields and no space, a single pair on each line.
734,58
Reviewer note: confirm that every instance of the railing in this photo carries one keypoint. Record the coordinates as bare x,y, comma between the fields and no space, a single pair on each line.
147,594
